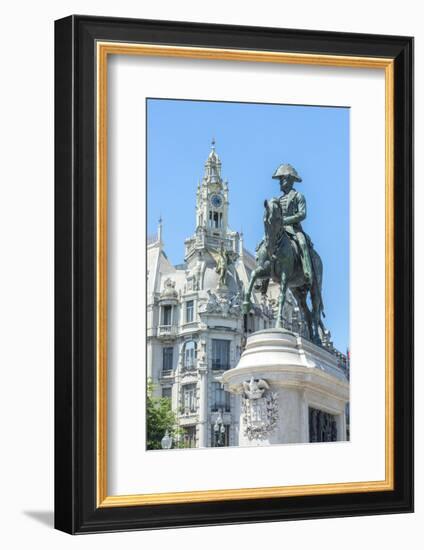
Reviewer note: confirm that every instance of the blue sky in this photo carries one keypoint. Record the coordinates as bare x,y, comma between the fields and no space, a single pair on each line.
252,140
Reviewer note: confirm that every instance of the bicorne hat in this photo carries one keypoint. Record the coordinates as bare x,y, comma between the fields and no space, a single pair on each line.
286,170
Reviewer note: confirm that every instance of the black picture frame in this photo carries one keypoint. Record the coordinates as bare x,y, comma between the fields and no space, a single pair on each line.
76,508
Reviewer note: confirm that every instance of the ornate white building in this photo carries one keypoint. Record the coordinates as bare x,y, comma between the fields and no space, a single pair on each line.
195,326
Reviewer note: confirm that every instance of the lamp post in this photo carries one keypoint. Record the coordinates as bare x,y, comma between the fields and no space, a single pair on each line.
166,441
219,430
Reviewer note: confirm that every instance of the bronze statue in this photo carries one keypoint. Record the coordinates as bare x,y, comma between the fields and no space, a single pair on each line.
286,254
293,207
223,259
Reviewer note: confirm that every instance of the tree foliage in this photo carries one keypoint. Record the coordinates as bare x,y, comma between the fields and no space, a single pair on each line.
160,418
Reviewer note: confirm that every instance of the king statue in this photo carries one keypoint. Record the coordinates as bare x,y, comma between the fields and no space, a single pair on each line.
286,254
293,207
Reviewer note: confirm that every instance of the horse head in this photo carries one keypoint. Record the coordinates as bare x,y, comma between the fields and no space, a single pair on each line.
273,220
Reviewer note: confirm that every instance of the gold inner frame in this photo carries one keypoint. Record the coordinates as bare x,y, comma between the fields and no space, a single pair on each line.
104,49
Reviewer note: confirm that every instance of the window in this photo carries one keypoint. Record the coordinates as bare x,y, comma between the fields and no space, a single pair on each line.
215,219
189,311
347,412
220,354
167,393
220,398
190,353
220,437
190,437
167,356
322,426
189,398
167,315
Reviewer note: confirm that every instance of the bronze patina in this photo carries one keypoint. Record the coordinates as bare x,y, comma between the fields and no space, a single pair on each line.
286,254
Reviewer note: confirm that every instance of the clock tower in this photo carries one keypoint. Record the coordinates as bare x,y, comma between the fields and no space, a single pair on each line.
212,199
212,233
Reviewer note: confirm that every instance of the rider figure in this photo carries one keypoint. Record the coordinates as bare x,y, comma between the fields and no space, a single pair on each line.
293,206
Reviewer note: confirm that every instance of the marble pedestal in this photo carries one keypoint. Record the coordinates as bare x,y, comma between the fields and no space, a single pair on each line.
284,383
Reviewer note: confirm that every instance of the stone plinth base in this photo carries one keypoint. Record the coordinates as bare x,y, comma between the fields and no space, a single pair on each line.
291,391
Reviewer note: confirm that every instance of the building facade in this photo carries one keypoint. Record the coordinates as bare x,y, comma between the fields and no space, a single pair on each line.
195,326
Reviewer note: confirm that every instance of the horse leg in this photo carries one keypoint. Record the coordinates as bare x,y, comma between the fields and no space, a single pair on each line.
303,306
281,300
258,272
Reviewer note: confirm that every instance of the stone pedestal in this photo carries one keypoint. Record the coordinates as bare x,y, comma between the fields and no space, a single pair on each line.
291,391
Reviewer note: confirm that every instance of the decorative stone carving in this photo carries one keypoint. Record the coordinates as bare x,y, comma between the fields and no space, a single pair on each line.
265,309
259,409
227,306
169,289
254,389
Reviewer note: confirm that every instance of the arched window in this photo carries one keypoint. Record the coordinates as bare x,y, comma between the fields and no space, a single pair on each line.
190,354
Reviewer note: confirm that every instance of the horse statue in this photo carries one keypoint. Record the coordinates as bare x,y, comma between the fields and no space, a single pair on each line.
278,258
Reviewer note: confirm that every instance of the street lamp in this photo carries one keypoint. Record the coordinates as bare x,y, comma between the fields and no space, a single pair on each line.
166,441
219,430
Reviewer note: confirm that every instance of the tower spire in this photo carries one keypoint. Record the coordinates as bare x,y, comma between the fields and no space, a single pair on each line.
211,208
213,166
160,229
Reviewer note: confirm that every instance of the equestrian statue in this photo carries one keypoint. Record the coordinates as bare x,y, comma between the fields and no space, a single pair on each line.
287,256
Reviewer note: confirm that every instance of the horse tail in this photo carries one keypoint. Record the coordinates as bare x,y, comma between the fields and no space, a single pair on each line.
317,274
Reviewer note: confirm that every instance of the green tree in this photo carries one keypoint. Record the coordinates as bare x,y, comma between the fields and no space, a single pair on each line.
160,418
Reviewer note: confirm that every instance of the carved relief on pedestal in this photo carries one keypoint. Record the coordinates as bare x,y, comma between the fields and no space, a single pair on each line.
260,409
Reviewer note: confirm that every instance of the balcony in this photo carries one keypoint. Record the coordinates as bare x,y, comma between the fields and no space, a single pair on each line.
167,332
167,373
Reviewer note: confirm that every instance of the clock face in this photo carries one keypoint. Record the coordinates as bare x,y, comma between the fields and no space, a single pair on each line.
216,201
